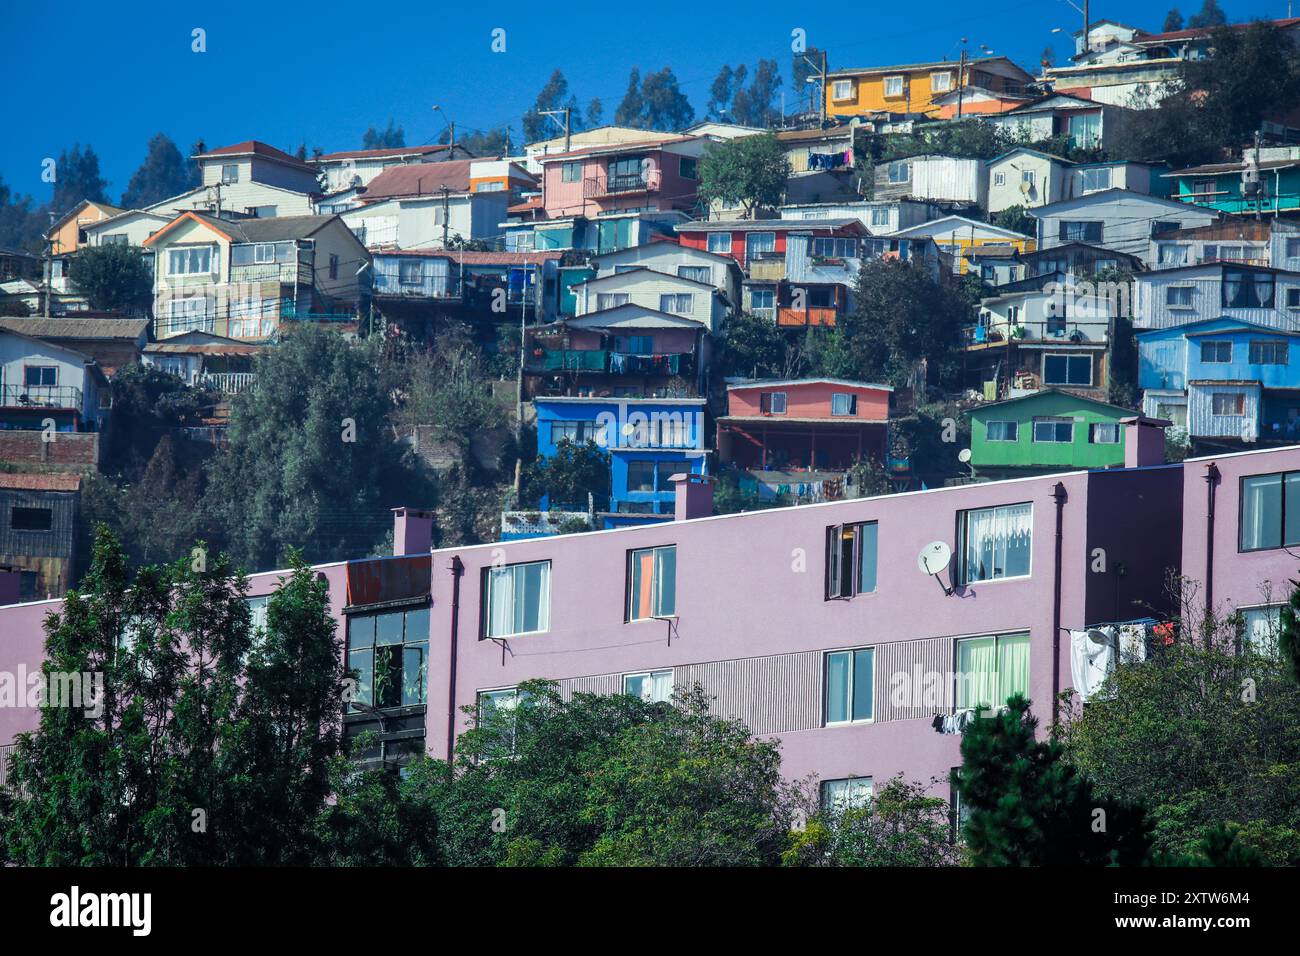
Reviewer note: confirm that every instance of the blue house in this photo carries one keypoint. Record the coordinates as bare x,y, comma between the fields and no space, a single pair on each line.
649,441
1223,379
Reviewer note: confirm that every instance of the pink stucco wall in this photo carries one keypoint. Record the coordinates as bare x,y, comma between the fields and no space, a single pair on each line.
809,400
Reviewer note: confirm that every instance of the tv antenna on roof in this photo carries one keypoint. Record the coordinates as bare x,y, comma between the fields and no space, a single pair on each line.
933,560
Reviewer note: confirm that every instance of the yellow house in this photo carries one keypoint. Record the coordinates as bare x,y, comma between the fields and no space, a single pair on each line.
68,232
913,88
961,237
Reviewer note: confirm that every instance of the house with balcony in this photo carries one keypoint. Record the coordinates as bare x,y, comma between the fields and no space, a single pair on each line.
914,87
1118,219
1047,331
1163,298
1047,431
247,278
652,176
1089,124
248,179
1227,382
1269,186
627,351
1272,241
44,386
204,360
109,343
648,441
957,235
799,437
758,246
597,234
659,291
1078,259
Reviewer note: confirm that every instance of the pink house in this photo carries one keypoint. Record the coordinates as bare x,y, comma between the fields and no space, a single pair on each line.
657,175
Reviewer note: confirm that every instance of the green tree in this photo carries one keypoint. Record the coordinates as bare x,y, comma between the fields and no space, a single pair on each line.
447,388
310,461
1029,807
22,222
1210,15
1015,218
553,96
380,818
723,89
77,178
1204,736
388,138
163,174
574,472
752,346
1289,637
632,106
654,101
749,172
113,277
754,105
1173,21
900,826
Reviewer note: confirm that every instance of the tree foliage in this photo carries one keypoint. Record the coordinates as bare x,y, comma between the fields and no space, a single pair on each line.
553,96
163,174
572,473
390,137
77,178
654,101
113,277
749,172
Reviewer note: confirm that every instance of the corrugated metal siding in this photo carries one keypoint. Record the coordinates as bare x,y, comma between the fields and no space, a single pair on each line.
770,694
6,750
1162,363
1200,421
906,663
1153,312
601,684
955,180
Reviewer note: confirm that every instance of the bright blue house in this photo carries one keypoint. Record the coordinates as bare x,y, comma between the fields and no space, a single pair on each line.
1223,379
649,440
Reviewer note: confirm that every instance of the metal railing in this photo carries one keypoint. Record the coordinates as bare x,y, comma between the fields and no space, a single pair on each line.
228,383
286,273
40,396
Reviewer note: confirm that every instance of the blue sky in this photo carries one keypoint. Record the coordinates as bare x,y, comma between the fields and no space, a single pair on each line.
322,72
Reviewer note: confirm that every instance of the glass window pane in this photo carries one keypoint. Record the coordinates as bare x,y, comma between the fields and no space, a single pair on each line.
414,674
976,672
361,631
1013,666
389,628
665,581
837,687
867,538
388,676
1291,532
362,662
641,580
417,625
863,684
1261,512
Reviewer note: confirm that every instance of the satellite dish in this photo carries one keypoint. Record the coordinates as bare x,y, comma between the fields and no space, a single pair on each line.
934,557
963,456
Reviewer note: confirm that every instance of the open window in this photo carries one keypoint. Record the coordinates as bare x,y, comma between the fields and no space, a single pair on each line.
851,559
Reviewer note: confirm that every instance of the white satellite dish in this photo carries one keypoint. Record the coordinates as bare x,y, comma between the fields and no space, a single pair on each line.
934,557
963,456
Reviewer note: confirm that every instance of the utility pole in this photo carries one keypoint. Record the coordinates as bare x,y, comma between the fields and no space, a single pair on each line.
451,142
824,92
1259,179
567,113
446,213
49,265
961,77
519,385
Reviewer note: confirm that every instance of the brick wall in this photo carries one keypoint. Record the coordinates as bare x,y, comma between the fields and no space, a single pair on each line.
75,450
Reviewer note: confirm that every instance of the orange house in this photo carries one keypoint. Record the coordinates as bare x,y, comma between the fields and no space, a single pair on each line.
915,87
69,232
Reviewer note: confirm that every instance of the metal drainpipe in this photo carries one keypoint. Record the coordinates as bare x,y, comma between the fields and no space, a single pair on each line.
1211,484
457,568
1059,496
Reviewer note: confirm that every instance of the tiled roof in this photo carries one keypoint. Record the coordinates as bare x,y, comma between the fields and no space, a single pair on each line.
426,150
129,329
14,481
419,179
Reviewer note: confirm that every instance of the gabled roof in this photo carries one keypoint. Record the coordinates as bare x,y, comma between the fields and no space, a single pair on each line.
1046,102
631,316
1038,212
19,481
196,342
1217,326
669,246
1217,169
1193,33
252,147
419,179
74,328
1056,250
111,210
1026,149
475,258
667,140
270,229
1222,264
947,223
932,65
1043,393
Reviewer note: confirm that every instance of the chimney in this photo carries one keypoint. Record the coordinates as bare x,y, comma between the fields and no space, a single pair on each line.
1144,441
694,496
412,531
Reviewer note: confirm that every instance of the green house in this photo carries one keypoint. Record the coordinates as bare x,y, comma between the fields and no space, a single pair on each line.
1219,186
1047,431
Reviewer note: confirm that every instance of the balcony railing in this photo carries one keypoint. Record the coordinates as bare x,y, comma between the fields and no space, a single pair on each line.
616,363
813,315
40,396
286,273
228,383
594,187
1065,332
570,360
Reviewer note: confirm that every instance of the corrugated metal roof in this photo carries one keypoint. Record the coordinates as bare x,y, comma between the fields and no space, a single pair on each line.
419,179
15,481
69,328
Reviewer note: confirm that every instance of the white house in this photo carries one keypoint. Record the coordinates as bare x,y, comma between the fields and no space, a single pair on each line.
881,217
1088,123
1118,219
669,258
1267,297
358,167
671,294
1026,177
40,378
129,228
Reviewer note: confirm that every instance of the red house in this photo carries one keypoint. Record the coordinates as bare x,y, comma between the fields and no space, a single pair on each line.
815,425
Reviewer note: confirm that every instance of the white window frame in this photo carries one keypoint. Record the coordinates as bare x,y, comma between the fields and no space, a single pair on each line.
897,82
656,613
857,793
654,680
963,531
946,86
543,612
1096,429
1015,431
848,699
719,242
842,90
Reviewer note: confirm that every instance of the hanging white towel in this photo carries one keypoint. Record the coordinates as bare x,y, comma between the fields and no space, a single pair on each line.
1090,661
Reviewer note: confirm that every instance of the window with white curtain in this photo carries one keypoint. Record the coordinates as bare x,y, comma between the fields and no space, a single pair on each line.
1270,511
1261,628
694,273
190,260
517,599
653,687
677,303
991,669
995,542
846,794
719,242
652,583
610,300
